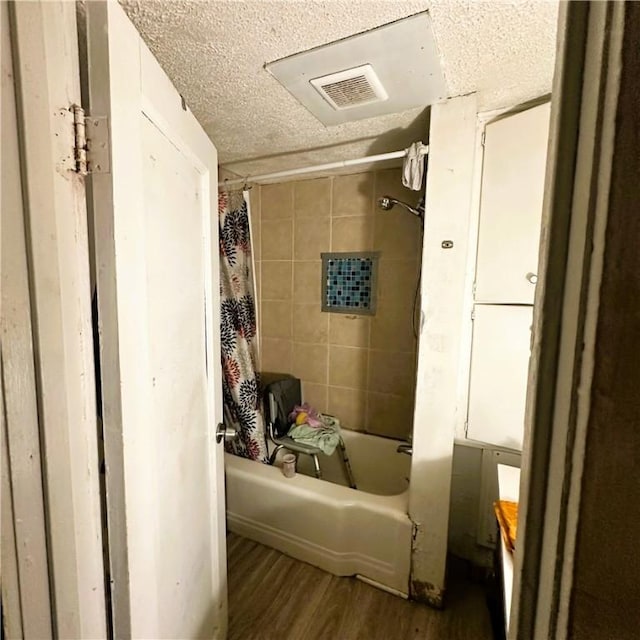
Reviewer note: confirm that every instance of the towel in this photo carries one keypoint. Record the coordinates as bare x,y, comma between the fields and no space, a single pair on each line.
507,515
413,166
326,437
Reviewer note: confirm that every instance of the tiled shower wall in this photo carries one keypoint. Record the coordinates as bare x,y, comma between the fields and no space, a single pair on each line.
360,368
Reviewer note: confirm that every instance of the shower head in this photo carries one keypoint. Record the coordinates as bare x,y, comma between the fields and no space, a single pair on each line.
387,202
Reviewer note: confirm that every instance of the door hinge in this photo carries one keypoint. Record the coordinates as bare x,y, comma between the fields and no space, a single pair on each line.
91,142
473,314
483,137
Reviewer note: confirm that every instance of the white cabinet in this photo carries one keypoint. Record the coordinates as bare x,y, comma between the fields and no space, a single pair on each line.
515,153
499,368
512,187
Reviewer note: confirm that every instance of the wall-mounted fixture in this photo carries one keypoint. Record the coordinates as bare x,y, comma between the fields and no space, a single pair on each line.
385,70
351,88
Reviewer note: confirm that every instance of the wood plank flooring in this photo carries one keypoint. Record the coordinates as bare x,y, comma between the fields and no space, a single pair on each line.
273,596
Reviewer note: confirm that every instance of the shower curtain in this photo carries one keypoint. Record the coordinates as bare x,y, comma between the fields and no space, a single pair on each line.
240,379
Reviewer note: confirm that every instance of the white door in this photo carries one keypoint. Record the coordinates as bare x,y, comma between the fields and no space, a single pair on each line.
499,367
515,154
157,271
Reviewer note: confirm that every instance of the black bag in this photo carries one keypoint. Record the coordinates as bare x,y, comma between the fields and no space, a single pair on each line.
280,397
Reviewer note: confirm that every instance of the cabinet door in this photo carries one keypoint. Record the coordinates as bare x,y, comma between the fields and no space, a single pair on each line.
499,372
515,155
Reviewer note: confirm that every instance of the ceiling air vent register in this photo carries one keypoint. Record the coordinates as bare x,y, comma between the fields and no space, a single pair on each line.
351,88
390,69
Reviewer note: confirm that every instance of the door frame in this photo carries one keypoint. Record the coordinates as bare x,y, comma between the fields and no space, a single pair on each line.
581,145
46,69
25,571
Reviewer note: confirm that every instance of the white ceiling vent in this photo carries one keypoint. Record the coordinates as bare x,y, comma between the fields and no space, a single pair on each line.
351,88
393,68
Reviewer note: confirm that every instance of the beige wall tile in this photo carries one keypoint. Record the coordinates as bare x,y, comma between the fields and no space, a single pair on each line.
276,201
276,319
397,235
276,238
352,234
389,415
258,293
330,353
392,329
307,283
348,367
277,280
277,355
312,198
388,182
255,228
348,330
311,238
397,281
310,324
255,199
392,372
256,242
310,362
353,195
316,395
349,406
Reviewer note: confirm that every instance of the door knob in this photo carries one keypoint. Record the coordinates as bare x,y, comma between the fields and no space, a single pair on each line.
532,277
228,434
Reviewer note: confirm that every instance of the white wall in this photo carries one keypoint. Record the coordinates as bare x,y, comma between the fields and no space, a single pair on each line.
452,146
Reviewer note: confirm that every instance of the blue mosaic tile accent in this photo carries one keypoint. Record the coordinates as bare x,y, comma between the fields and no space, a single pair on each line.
349,283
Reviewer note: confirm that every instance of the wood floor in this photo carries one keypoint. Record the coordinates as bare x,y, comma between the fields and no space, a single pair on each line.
272,596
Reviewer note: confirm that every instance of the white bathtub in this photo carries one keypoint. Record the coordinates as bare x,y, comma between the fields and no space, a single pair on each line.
364,532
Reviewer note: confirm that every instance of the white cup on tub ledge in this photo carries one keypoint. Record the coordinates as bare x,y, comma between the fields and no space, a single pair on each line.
289,465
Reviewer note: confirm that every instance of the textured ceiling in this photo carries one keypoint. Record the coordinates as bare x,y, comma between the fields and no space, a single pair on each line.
215,53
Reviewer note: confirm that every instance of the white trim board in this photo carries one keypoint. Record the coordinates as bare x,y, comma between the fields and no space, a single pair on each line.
48,82
26,596
575,213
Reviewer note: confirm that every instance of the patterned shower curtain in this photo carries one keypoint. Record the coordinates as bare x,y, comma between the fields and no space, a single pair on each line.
240,379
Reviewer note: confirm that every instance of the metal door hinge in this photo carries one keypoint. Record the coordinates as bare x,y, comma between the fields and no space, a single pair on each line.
473,314
91,146
483,137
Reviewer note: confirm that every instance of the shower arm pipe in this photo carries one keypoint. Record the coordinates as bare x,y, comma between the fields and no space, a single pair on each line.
341,164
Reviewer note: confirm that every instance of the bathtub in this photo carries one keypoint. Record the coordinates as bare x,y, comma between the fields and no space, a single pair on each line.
364,532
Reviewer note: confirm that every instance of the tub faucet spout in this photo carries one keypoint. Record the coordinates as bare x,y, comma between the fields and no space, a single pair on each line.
405,448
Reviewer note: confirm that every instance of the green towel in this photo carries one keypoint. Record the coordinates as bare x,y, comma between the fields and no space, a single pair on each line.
326,437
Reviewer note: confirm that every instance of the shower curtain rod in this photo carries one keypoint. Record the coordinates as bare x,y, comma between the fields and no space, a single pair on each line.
321,167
